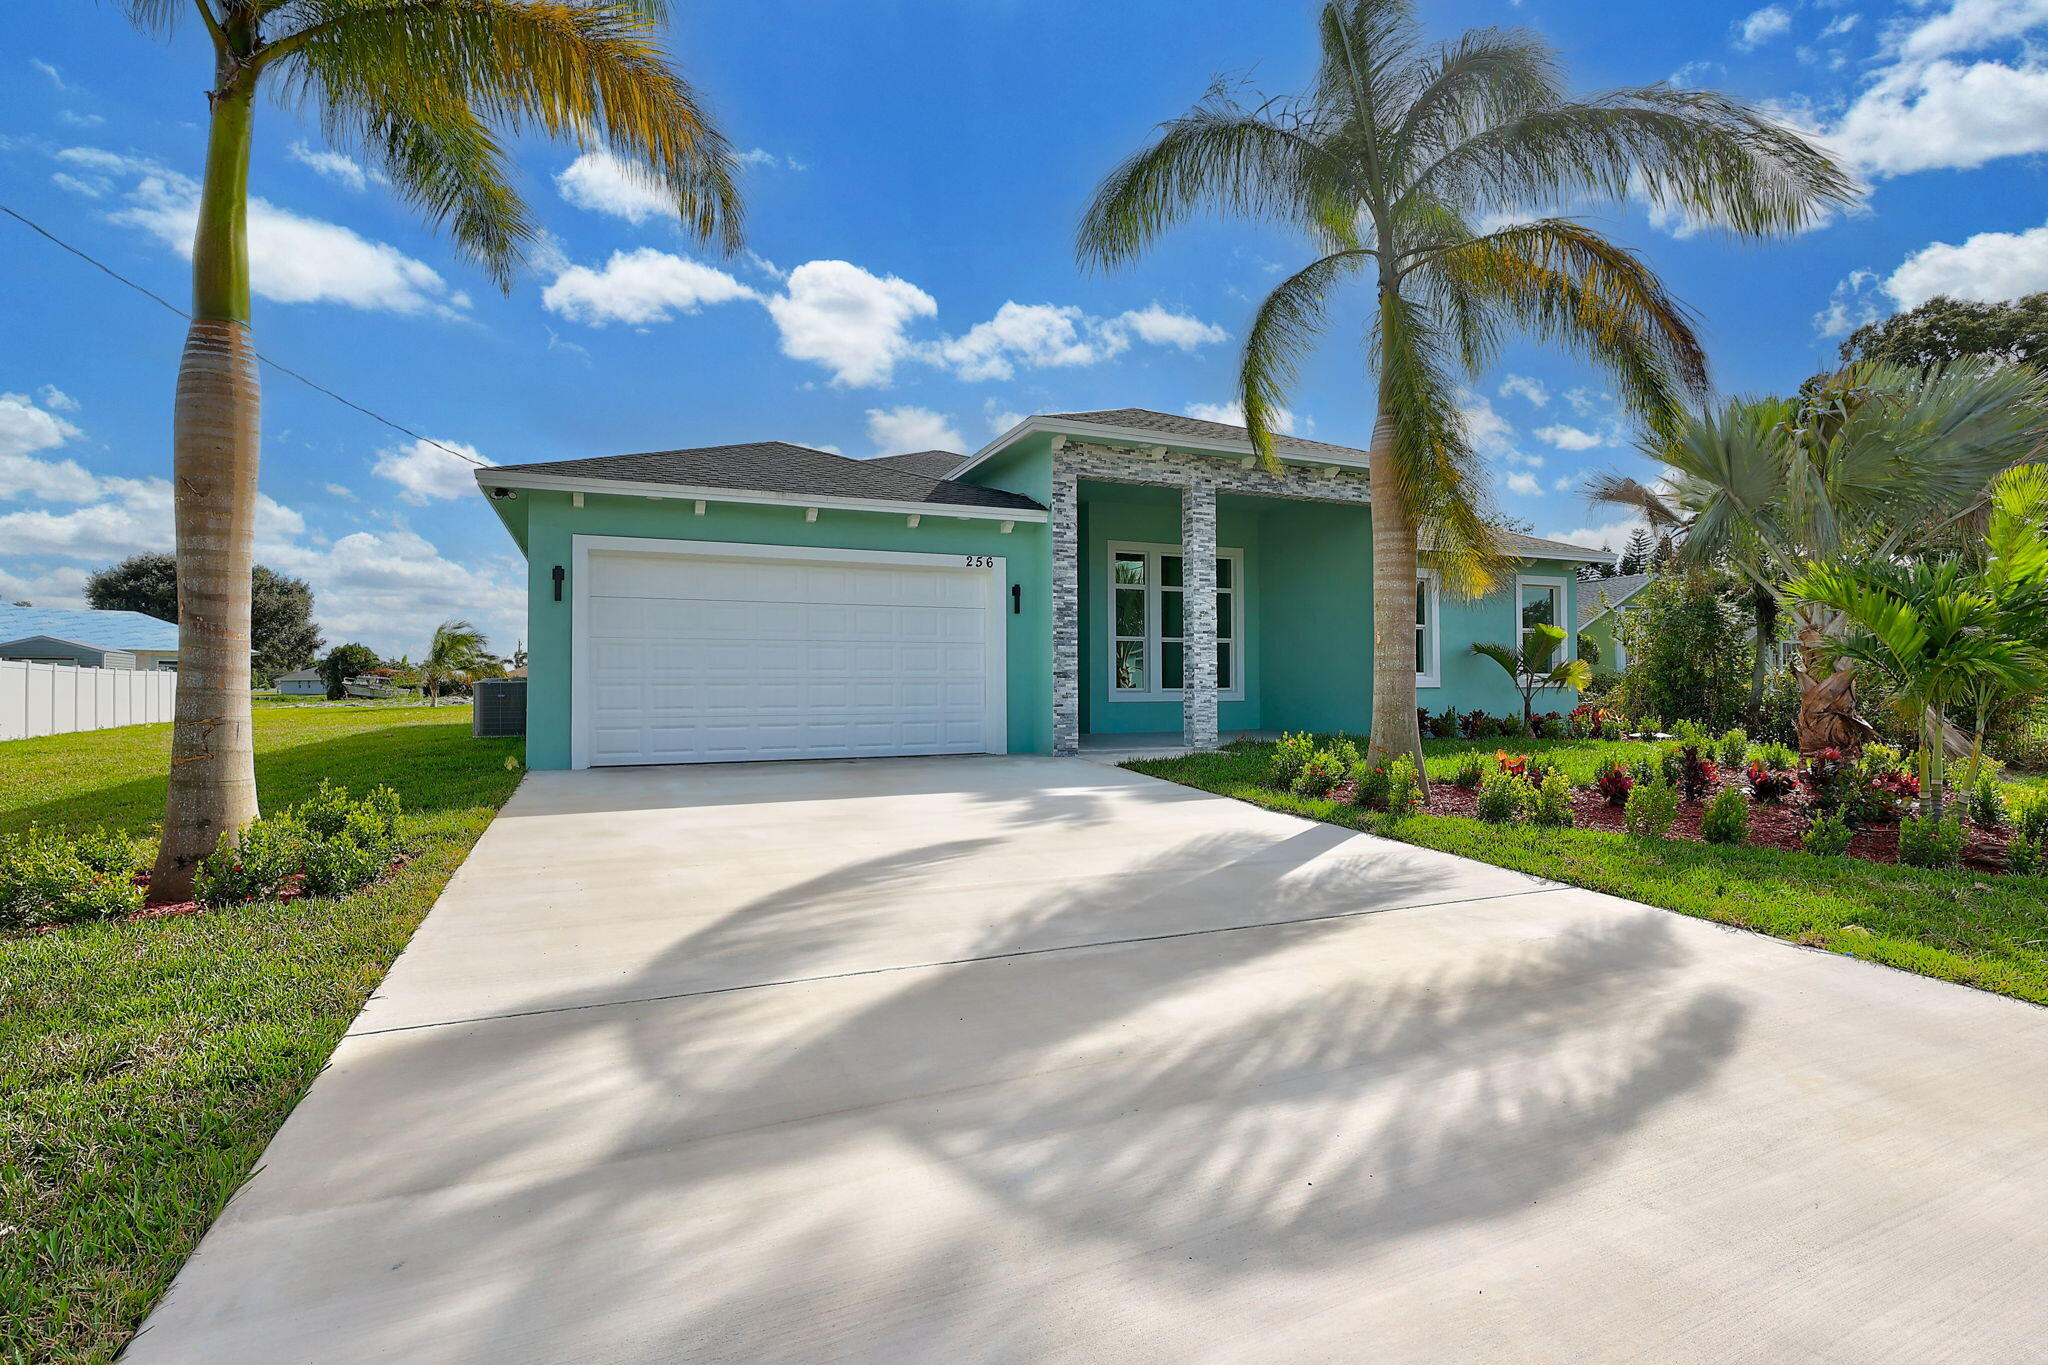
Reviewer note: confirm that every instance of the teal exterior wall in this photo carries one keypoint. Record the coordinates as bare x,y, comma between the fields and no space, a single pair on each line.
1316,599
1472,682
1127,512
545,522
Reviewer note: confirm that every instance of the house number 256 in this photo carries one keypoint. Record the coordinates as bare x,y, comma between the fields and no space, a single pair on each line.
981,561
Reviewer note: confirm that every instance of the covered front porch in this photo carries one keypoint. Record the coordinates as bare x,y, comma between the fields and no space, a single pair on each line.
1199,600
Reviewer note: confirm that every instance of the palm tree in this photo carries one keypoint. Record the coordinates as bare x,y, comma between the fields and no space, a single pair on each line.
458,654
425,88
1393,165
1878,461
1533,665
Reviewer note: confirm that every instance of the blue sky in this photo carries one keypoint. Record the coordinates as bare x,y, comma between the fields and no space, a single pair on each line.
914,172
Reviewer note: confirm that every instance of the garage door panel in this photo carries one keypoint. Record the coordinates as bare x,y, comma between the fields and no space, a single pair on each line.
696,659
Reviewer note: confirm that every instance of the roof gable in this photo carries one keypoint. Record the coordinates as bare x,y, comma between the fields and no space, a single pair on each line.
120,630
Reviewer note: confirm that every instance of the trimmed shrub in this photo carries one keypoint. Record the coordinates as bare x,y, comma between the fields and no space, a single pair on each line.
1930,843
1828,835
56,877
1371,781
1987,803
1501,797
1775,756
1613,783
1732,749
2028,812
1290,756
2023,855
1652,724
1345,752
1444,724
1690,732
272,852
1554,726
1470,772
1404,788
1726,820
1320,774
1645,766
1552,804
1542,766
1651,808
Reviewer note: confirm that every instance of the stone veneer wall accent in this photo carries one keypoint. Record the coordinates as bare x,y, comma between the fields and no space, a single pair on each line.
1200,478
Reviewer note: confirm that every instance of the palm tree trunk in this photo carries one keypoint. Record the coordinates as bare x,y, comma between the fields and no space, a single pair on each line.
1394,562
1827,695
1765,605
216,440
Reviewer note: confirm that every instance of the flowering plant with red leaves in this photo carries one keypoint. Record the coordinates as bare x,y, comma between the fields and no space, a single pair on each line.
1614,784
1771,785
1696,774
1514,765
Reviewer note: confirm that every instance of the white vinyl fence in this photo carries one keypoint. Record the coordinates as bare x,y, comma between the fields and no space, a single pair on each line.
56,699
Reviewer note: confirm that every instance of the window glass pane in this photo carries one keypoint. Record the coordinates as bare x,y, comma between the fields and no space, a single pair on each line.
1170,663
1130,568
1169,570
1130,665
1225,615
1223,682
1130,611
1422,603
1539,606
1223,574
1172,615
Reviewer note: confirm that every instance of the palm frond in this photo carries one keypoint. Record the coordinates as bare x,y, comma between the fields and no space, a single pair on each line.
1476,81
1286,326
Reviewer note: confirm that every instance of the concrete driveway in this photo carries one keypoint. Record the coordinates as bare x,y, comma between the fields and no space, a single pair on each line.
1016,1059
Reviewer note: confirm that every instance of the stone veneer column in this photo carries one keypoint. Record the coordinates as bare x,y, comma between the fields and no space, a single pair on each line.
1198,599
1066,605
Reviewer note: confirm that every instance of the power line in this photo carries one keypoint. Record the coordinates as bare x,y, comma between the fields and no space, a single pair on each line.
277,365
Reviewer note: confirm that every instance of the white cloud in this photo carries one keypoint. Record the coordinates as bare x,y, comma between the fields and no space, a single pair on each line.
761,156
1849,306
1989,267
850,321
1155,325
1840,25
424,471
898,431
56,76
340,169
1524,485
61,585
56,399
335,490
1565,483
26,428
1031,334
1531,389
1232,414
292,258
1568,437
1488,431
1967,26
78,120
390,588
1522,457
1584,400
1760,26
1611,536
604,183
639,287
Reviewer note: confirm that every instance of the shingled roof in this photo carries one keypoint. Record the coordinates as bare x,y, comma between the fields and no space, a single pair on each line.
1196,430
779,467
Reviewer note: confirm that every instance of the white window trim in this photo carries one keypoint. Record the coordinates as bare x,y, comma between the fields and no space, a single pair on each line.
1153,549
995,571
1429,672
1564,613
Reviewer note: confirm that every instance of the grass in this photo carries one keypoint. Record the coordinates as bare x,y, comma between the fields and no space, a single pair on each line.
143,1066
1988,932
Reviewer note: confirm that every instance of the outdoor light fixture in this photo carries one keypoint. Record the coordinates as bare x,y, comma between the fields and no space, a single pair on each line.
1016,599
558,582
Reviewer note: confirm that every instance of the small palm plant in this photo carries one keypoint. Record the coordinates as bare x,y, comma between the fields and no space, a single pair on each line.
1395,166
458,654
1534,665
429,90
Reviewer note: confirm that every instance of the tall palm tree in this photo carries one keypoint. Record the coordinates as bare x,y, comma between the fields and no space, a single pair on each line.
426,89
457,654
1393,165
1875,462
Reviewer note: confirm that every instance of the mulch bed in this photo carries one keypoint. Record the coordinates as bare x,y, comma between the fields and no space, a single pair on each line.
1770,826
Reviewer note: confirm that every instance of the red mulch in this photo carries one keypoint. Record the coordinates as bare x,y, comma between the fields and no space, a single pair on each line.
1770,826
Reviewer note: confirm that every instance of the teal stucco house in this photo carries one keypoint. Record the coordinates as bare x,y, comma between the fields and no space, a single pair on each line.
1084,579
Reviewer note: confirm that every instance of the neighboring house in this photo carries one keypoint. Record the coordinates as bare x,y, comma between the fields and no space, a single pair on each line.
1085,574
1603,604
88,638
307,682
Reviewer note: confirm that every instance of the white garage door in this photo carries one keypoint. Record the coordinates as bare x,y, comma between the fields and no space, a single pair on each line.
704,659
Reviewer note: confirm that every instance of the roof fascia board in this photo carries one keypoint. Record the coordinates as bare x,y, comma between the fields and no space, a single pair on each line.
1138,436
493,478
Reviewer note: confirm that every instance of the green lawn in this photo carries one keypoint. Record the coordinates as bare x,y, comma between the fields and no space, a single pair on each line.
144,1065
1984,931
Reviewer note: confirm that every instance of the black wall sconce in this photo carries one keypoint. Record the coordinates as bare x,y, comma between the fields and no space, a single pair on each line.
558,582
1016,599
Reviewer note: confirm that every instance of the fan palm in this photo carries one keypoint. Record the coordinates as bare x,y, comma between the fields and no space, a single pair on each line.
425,89
1877,462
1534,665
458,654
1393,165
